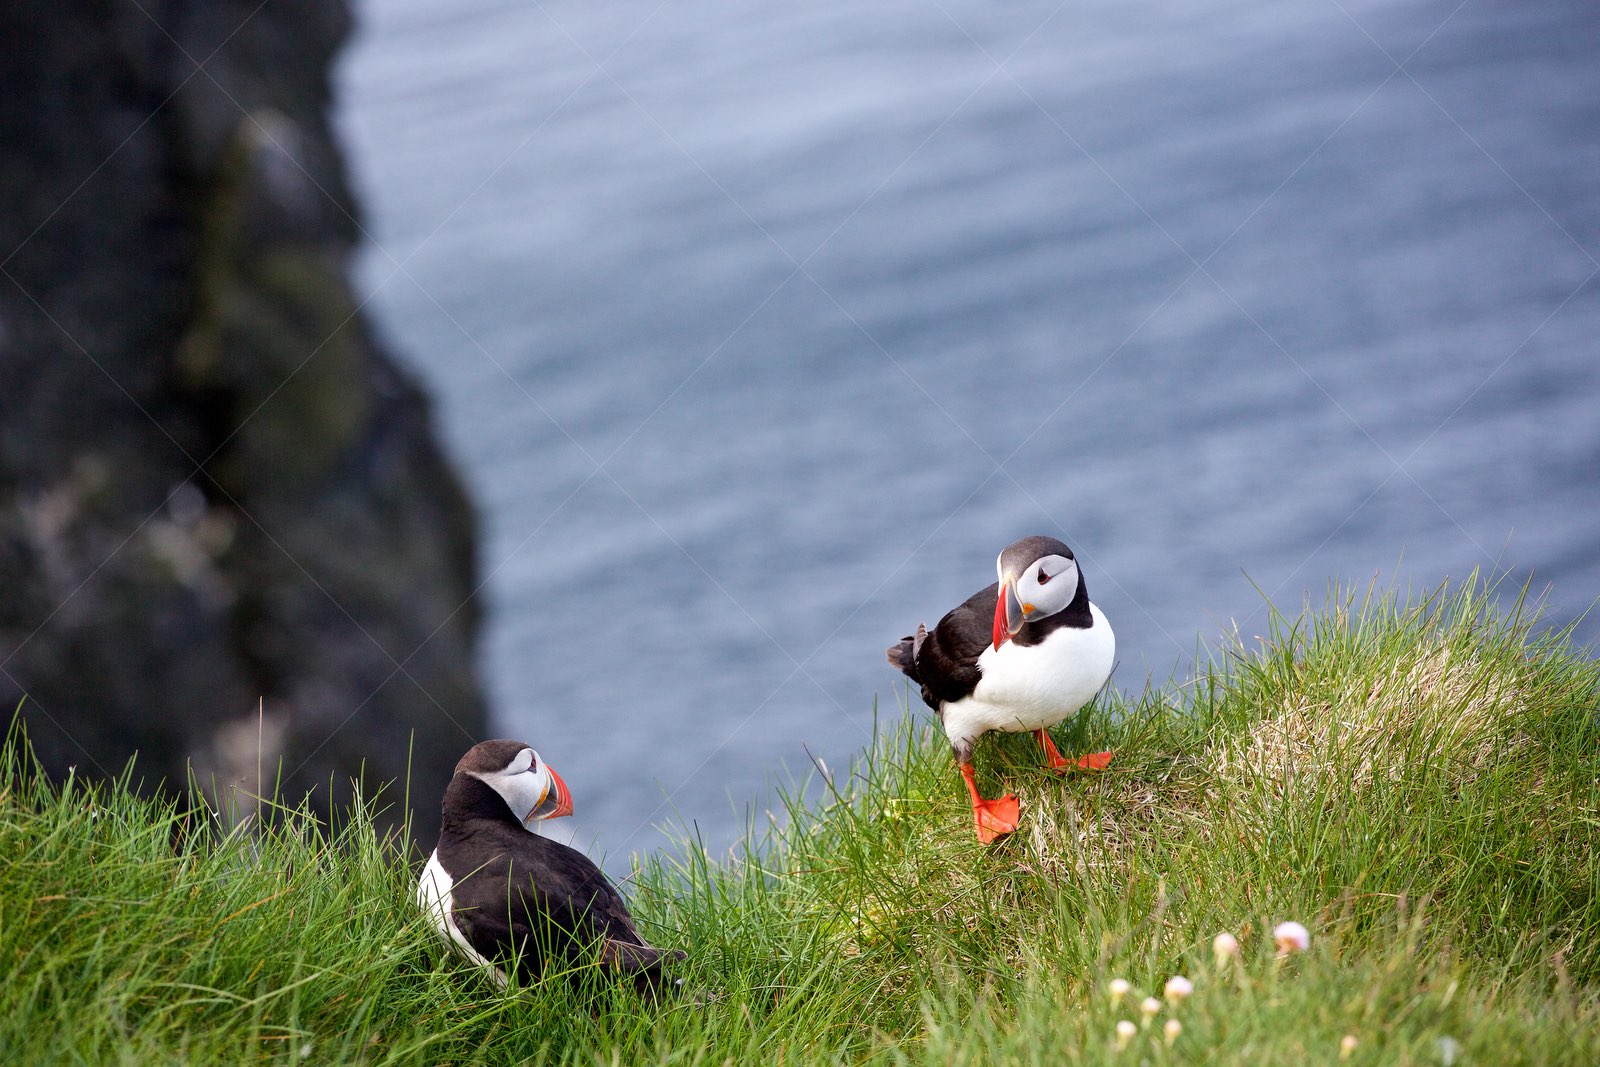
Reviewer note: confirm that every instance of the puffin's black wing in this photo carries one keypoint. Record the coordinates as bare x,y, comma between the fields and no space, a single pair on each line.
552,903
945,661
579,897
574,881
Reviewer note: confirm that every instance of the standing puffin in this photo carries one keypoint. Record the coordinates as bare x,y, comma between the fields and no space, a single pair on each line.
494,886
1045,655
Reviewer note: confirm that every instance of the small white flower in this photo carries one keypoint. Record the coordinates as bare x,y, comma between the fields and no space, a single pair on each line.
1172,1030
305,1050
1148,1008
1177,988
1448,1048
1347,1045
1125,1032
1224,947
1117,988
1291,937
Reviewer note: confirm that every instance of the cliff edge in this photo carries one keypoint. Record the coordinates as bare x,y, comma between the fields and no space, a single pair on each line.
218,493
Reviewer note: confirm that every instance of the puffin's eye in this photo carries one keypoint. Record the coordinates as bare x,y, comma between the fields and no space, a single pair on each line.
1043,577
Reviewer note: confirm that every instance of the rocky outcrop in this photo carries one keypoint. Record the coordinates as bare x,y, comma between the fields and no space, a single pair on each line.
227,533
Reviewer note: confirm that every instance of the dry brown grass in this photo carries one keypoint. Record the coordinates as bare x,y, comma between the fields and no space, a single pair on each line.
1088,830
1428,704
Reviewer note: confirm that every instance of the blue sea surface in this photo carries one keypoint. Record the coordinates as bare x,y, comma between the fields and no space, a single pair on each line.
759,330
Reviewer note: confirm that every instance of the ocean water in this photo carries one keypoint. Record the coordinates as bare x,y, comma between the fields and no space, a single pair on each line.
758,331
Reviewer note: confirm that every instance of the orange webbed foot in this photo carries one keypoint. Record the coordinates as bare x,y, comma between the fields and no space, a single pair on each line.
996,818
1094,761
993,818
1054,761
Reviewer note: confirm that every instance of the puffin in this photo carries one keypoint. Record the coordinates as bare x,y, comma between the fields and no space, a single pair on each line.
497,890
1022,654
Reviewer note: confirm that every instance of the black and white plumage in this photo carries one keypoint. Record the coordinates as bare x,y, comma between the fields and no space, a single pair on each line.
1022,654
495,889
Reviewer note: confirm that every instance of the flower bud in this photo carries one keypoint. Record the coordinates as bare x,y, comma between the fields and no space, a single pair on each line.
1291,937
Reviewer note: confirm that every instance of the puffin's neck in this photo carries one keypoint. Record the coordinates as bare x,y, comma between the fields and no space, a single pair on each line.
469,800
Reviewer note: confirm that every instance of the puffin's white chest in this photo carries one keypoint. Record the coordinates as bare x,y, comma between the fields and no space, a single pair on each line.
434,898
1026,688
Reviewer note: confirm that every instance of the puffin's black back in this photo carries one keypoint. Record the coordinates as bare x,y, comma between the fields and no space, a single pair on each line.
945,661
516,889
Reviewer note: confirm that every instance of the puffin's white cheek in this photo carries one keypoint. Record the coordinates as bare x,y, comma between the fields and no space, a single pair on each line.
533,790
523,797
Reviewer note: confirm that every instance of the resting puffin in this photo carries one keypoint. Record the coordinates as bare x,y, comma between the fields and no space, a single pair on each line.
1045,655
493,885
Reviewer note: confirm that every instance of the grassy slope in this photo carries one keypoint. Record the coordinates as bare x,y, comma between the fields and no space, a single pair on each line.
1416,783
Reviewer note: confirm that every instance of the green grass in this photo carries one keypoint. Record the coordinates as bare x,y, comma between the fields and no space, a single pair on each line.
1416,781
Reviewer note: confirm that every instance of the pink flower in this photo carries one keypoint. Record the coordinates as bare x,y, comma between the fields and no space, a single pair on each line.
1291,937
1224,947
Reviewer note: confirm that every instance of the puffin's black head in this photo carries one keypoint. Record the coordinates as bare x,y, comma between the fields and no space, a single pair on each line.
1038,577
530,787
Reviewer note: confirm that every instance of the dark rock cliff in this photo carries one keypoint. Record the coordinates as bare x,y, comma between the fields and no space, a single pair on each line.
217,493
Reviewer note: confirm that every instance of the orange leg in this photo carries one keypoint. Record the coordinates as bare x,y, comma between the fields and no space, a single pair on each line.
1053,760
993,817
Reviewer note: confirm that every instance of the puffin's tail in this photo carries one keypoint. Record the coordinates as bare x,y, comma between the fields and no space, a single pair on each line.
650,967
656,979
903,657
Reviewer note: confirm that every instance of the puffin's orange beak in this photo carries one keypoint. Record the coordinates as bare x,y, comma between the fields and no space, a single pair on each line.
1002,633
556,802
1009,613
563,796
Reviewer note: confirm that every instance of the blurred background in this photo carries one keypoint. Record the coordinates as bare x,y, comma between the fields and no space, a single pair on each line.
753,334
759,331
